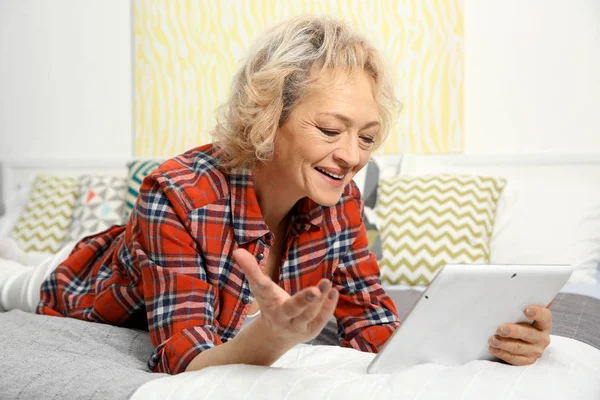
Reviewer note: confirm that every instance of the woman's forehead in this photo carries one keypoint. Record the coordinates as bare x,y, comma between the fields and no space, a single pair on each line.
340,94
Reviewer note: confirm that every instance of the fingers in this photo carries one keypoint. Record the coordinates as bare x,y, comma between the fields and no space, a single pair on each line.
313,310
521,344
511,358
261,285
300,302
326,310
534,333
306,302
541,316
251,269
515,346
308,311
524,332
311,307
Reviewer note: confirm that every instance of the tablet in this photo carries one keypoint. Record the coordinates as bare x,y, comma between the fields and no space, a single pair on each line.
462,308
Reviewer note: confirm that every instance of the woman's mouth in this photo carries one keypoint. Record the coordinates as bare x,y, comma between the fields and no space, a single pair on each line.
330,174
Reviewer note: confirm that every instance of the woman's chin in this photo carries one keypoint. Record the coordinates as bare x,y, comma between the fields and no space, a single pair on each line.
324,193
326,200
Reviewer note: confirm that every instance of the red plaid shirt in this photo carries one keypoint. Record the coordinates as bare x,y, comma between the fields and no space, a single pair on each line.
172,263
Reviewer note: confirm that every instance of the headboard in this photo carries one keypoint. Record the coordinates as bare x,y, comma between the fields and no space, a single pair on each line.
16,176
585,166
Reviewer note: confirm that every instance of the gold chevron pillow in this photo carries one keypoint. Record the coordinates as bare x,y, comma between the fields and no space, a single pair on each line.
432,220
44,223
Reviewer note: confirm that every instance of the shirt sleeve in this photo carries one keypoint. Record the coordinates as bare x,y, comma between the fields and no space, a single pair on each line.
180,303
366,315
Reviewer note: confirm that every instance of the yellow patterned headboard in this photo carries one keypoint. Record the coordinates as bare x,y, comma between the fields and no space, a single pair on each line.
186,53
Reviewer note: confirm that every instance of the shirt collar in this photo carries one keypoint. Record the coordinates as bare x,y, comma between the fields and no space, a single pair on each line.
309,215
248,222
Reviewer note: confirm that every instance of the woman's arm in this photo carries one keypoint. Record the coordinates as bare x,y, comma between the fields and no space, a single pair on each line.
251,346
284,322
366,314
179,300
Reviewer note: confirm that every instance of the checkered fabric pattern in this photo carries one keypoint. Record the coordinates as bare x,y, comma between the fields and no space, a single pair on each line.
173,261
137,171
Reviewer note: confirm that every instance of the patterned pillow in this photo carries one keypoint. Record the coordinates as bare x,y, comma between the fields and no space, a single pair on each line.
137,171
45,221
99,205
431,220
367,183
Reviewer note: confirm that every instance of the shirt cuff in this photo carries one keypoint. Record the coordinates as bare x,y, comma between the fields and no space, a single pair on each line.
373,338
174,355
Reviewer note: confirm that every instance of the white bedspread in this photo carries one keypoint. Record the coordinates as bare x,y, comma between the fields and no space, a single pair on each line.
569,369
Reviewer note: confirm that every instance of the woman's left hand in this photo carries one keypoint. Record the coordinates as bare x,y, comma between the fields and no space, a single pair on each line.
523,343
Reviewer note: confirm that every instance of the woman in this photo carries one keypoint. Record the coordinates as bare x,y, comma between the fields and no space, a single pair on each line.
240,250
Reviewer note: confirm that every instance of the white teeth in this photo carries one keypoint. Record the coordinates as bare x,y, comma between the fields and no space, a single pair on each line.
331,174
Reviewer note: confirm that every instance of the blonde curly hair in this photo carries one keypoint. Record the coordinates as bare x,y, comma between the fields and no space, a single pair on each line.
282,66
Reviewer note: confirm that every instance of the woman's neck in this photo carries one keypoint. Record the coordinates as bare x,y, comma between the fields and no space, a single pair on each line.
274,198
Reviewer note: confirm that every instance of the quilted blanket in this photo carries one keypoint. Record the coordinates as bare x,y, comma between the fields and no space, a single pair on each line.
568,369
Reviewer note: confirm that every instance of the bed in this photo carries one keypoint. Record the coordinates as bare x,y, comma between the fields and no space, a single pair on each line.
53,358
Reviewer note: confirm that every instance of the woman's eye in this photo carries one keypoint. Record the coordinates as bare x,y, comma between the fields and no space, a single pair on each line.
368,139
328,132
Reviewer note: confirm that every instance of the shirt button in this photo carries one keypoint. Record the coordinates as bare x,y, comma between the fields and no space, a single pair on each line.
245,300
268,236
260,256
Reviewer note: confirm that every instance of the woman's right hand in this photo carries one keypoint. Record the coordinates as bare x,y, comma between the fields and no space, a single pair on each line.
284,319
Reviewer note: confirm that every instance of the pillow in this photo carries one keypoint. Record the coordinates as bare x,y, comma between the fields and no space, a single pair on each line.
137,171
43,225
550,221
431,220
370,218
100,204
549,211
15,203
367,180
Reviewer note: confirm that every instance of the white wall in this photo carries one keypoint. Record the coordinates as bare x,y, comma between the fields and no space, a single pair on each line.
65,79
532,74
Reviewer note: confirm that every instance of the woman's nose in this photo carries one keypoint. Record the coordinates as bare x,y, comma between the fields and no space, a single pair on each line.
348,152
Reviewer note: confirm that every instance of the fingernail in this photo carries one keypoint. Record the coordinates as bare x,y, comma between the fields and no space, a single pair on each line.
504,331
332,294
323,286
310,296
530,312
494,341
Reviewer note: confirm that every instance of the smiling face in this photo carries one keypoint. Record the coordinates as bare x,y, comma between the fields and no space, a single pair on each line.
327,138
